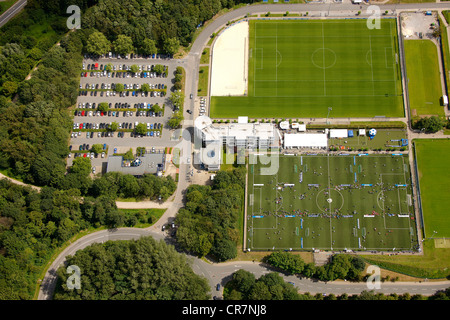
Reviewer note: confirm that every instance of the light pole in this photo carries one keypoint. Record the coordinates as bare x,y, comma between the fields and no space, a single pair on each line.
329,109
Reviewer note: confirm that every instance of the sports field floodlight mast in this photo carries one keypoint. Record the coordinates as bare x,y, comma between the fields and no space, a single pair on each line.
328,114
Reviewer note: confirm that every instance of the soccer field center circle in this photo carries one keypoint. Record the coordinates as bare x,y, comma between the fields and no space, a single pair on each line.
333,200
323,58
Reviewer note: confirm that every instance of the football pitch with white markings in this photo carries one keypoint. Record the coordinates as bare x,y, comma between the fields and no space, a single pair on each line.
331,202
301,68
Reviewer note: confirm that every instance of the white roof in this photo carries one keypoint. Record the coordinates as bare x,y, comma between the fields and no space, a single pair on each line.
239,131
305,140
299,126
362,132
338,133
242,119
284,125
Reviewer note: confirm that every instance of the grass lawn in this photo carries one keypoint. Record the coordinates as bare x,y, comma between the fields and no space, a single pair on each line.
300,68
445,49
433,264
432,158
5,5
383,140
331,203
203,77
205,56
424,81
155,214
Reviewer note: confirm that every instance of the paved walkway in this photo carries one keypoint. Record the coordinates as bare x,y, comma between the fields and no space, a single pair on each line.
2,176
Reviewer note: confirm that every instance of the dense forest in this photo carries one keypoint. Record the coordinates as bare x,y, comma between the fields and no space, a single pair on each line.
141,269
168,24
271,286
35,126
38,86
208,223
33,224
341,266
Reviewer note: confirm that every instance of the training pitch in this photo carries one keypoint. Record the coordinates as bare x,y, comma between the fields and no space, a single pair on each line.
301,68
331,202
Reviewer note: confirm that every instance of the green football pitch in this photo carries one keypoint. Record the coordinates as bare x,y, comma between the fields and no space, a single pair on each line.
330,202
432,156
301,68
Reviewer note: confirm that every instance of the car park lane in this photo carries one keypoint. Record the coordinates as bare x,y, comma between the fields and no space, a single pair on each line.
90,125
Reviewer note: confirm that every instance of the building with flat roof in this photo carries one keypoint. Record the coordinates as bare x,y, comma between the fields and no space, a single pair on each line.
149,163
305,140
241,134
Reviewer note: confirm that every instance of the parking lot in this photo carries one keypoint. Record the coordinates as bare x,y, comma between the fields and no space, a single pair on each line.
126,108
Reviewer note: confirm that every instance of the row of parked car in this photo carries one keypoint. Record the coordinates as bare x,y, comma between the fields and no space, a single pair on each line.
94,93
202,106
119,67
122,74
113,55
108,126
110,113
112,86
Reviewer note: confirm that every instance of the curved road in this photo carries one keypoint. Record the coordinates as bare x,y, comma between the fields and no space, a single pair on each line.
219,273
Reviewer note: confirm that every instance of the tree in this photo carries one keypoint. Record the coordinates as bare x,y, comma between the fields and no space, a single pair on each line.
119,87
430,124
35,53
114,219
177,99
260,291
123,44
309,270
142,269
175,121
178,77
224,249
293,264
109,67
141,129
134,68
437,32
156,108
171,46
114,126
81,166
98,44
9,88
145,87
128,155
149,47
177,86
97,148
159,68
243,281
103,107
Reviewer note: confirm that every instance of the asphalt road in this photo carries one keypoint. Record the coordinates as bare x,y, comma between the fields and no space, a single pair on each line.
221,273
12,11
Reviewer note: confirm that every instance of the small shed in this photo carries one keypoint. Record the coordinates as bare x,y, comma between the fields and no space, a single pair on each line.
284,125
302,127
